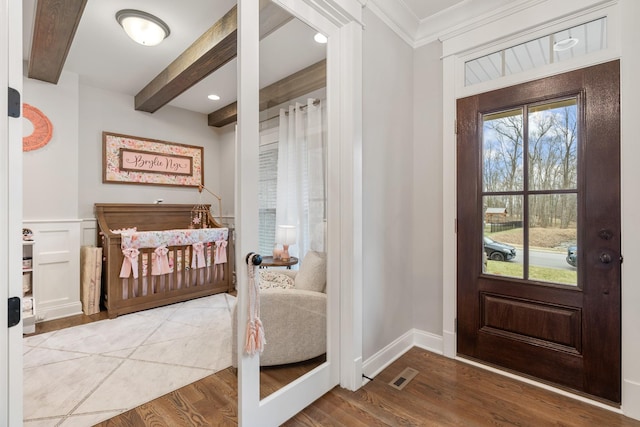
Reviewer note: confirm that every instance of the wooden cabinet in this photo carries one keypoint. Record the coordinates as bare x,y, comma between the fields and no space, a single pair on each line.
28,300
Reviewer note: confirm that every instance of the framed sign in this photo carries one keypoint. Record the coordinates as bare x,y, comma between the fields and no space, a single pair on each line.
134,160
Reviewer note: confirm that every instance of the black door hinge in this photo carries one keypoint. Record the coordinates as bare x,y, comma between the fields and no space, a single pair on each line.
14,311
14,103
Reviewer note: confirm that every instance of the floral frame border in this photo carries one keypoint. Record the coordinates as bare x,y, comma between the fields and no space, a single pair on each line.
114,145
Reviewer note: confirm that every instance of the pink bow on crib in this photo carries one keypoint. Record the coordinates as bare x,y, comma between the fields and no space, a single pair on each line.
221,252
198,260
161,263
130,262
219,258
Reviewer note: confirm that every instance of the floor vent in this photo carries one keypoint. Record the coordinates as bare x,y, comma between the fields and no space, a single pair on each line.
403,379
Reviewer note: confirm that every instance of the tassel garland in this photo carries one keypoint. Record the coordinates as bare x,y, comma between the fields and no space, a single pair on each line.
255,339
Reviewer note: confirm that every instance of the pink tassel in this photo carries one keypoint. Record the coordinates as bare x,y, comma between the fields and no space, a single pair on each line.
260,338
255,337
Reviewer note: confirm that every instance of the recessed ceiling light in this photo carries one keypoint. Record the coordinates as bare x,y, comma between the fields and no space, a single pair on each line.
565,44
143,27
213,97
320,38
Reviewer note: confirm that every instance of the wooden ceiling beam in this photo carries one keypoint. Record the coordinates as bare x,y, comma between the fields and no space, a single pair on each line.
294,86
210,51
216,47
55,25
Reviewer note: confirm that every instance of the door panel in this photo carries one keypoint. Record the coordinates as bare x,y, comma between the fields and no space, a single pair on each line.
527,314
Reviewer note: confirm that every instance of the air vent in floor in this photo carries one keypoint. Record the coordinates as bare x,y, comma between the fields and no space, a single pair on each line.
403,379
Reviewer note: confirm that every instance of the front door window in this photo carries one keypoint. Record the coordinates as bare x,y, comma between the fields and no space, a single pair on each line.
530,191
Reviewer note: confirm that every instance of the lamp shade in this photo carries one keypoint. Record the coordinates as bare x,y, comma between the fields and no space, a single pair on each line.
142,27
286,234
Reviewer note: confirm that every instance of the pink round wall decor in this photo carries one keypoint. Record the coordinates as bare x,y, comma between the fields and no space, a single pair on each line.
42,128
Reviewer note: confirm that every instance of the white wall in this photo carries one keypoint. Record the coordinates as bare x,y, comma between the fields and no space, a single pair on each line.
227,164
63,179
387,185
426,233
51,173
101,110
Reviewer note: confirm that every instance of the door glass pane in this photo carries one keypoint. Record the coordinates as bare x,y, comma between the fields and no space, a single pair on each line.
553,145
483,69
553,238
526,56
503,236
560,46
502,155
293,199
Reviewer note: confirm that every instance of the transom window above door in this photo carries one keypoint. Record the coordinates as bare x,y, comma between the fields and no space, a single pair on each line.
559,46
530,191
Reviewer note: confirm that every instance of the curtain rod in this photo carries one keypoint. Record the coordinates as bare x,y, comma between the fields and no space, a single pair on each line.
316,101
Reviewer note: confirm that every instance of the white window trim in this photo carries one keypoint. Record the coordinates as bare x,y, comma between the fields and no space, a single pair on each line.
503,33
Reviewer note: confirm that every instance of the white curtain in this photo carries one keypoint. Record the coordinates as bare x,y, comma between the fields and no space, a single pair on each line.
301,189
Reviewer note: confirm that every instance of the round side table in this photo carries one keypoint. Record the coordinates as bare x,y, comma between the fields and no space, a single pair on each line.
268,261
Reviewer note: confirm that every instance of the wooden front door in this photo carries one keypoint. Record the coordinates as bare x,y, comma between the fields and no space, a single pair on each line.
538,246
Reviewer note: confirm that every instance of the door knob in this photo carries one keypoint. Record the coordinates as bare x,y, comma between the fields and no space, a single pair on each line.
253,259
605,258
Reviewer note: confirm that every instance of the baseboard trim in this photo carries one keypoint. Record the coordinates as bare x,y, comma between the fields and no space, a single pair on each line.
630,399
58,312
383,358
412,338
428,341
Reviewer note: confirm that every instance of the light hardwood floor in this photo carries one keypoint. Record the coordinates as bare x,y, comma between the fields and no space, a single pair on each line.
444,393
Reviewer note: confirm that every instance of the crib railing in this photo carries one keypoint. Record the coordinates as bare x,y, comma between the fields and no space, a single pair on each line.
121,295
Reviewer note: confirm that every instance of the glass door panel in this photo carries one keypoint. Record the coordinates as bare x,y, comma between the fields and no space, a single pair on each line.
293,200
530,203
503,236
502,151
553,238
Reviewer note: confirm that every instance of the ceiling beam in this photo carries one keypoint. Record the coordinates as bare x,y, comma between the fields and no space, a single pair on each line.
210,51
55,25
296,85
216,47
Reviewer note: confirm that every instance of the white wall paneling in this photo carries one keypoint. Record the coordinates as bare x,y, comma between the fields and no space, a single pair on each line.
56,286
88,232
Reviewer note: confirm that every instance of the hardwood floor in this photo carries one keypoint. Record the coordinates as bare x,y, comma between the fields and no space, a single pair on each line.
444,393
67,322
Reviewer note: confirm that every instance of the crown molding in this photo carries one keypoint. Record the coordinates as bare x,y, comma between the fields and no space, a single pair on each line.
397,15
463,16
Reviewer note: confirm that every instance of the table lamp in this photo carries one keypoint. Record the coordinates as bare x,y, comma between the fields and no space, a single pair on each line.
286,235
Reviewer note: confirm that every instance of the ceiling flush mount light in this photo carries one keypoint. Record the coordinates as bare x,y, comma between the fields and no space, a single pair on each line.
142,27
320,38
565,44
213,97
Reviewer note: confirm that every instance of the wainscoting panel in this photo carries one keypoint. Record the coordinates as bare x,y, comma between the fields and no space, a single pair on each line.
89,230
56,268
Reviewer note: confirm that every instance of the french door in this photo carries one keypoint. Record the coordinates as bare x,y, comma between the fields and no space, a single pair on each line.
340,25
538,210
10,212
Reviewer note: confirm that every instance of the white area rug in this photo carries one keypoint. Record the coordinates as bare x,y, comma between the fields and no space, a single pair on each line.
80,376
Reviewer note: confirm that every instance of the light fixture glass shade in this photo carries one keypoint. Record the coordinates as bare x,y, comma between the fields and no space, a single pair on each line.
142,27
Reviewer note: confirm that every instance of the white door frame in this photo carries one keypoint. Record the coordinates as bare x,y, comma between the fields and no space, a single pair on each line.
340,21
11,216
522,24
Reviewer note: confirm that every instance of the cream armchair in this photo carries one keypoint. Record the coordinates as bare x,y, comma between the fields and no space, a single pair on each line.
294,319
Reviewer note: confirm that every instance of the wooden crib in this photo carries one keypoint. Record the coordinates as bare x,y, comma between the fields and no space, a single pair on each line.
121,295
